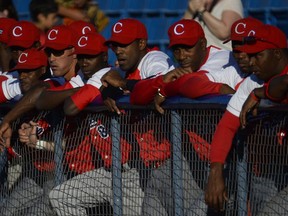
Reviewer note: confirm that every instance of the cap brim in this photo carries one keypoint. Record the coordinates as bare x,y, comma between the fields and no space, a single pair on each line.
56,46
183,41
24,44
119,40
255,48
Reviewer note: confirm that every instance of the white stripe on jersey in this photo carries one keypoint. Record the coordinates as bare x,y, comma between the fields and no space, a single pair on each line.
222,67
246,87
95,80
155,63
11,88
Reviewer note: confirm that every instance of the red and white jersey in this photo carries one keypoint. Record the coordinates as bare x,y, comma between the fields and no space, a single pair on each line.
247,86
153,64
222,67
10,89
95,80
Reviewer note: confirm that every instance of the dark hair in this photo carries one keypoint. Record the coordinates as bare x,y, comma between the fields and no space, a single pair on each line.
44,7
9,5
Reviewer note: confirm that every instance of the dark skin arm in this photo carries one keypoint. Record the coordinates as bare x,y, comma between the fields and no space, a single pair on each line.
251,104
216,185
51,99
26,104
278,88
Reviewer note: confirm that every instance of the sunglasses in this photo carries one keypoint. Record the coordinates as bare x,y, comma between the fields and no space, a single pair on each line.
56,53
250,40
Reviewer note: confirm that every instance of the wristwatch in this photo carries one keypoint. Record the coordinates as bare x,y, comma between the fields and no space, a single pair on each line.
200,14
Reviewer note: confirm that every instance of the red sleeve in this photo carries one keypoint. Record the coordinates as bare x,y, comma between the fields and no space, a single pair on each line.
223,137
85,96
66,86
198,86
145,90
3,78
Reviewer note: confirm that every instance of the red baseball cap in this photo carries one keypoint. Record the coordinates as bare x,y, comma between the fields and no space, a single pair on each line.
81,27
91,44
31,59
6,25
185,32
125,31
59,38
243,28
23,34
265,37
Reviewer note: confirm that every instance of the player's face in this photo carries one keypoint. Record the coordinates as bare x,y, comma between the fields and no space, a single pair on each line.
189,57
29,78
90,64
60,61
128,56
263,64
48,21
242,58
16,52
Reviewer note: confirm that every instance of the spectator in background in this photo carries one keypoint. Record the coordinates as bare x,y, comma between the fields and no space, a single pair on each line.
216,18
43,14
7,9
89,10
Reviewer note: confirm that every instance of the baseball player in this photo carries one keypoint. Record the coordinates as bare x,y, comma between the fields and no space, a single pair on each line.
213,71
213,61
31,67
264,46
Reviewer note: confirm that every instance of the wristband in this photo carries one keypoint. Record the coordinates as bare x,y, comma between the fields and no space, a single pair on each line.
254,97
40,144
159,93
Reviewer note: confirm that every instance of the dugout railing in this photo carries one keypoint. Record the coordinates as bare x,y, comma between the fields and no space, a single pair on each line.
256,168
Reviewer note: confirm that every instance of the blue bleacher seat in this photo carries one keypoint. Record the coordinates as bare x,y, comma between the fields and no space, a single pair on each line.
175,7
155,26
153,6
22,8
112,6
135,8
259,9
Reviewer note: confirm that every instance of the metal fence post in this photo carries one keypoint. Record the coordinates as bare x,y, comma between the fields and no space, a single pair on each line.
58,156
176,125
116,167
242,180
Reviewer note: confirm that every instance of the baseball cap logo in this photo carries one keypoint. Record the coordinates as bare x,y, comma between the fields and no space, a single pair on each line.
15,30
179,29
86,29
82,41
238,28
23,58
50,35
119,29
251,33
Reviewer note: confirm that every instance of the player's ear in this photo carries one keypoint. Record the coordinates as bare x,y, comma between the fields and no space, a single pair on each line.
142,44
203,42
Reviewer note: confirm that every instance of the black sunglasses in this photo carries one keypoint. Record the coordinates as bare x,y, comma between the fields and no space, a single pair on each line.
17,49
56,53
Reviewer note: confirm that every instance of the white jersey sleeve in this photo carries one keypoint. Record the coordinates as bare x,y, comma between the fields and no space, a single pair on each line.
223,68
95,80
77,81
11,88
247,86
155,63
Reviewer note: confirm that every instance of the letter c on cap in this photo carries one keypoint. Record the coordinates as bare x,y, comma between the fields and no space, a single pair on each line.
179,32
237,26
86,28
15,29
84,39
251,33
20,60
50,36
115,27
